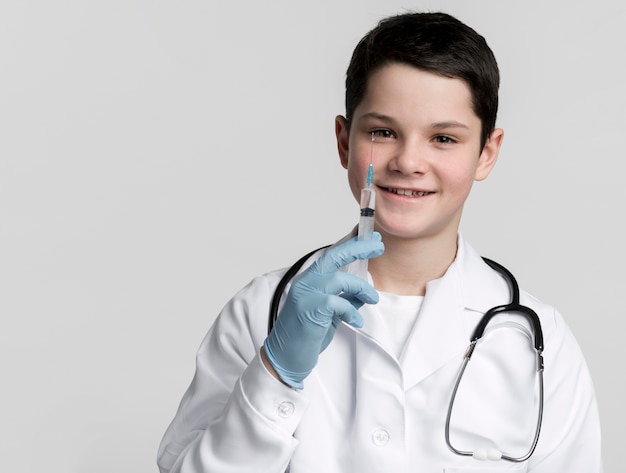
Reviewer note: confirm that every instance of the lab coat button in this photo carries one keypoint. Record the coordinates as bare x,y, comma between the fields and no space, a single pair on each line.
285,409
380,437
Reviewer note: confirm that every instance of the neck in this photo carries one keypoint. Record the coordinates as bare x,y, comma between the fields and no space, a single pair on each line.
407,266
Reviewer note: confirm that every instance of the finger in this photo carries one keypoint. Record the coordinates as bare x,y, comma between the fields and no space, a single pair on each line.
356,303
345,311
350,287
347,252
329,309
330,333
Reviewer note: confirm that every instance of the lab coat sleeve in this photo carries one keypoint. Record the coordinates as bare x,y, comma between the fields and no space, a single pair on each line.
235,416
570,439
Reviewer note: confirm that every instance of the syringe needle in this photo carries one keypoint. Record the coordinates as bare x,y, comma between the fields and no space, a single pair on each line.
368,205
370,170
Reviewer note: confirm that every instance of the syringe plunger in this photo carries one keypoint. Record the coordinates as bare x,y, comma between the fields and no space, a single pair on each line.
366,221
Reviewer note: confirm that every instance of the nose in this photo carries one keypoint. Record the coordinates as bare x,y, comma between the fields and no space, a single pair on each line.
409,159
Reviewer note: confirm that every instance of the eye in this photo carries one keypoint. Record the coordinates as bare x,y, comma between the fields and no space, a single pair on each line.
382,134
444,140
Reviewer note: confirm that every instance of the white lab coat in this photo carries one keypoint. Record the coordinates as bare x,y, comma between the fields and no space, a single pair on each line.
362,410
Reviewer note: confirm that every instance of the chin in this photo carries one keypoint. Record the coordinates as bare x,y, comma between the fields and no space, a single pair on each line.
416,233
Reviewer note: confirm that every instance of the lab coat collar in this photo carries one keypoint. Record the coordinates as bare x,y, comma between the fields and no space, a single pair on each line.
481,287
452,307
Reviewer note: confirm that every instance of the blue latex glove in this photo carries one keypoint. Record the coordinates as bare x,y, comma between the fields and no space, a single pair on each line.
318,300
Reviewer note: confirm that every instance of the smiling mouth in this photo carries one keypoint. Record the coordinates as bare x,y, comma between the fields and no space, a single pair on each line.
408,192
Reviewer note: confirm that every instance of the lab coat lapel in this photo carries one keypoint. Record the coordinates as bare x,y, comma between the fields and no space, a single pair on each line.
438,334
452,307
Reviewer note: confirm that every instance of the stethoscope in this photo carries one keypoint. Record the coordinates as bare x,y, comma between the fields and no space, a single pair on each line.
512,307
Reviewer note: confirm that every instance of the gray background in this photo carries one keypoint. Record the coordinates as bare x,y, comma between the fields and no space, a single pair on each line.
155,156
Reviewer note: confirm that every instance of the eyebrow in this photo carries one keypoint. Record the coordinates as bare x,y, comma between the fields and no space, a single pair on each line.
449,124
435,126
377,116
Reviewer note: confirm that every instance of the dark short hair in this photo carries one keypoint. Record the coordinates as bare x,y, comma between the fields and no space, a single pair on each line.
433,42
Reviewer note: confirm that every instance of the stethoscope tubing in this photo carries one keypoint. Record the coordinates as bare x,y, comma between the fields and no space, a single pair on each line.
513,306
457,382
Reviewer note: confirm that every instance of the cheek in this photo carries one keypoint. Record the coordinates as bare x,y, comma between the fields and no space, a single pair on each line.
354,178
357,170
459,181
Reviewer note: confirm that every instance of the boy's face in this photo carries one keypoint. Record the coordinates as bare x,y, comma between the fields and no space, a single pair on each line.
426,151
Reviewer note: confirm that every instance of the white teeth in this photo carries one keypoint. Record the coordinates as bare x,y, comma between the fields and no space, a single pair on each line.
408,192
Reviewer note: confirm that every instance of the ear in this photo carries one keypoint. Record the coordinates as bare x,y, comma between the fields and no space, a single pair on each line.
341,132
489,154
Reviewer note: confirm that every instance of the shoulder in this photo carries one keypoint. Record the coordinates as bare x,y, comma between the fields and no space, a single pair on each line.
258,289
484,287
559,340
248,309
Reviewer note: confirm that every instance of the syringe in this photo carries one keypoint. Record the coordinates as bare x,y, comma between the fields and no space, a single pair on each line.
368,205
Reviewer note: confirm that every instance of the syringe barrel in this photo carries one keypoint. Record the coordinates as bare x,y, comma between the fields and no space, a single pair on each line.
366,227
368,199
366,221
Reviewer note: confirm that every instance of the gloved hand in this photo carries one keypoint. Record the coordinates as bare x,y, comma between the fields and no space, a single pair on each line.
318,300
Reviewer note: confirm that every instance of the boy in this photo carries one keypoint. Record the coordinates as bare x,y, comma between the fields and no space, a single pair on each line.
372,394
